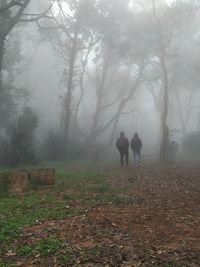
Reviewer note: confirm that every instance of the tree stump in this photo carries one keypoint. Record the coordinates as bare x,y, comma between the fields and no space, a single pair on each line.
48,177
18,182
43,176
4,183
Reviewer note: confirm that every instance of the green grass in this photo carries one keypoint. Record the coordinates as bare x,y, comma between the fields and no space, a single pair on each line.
89,254
74,182
44,248
15,213
7,264
79,187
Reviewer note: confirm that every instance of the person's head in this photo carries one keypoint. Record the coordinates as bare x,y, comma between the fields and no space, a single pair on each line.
122,134
136,135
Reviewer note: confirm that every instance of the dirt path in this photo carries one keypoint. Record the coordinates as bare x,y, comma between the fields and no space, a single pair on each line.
158,225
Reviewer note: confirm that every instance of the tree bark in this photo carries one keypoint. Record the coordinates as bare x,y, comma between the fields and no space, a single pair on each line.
7,23
2,40
68,98
100,95
1,61
165,129
165,82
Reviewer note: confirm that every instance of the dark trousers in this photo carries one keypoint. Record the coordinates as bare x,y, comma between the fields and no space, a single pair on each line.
124,153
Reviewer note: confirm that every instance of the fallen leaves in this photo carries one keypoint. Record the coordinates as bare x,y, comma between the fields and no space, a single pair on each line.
156,224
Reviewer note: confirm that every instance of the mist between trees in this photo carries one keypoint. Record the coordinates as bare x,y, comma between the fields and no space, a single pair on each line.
76,73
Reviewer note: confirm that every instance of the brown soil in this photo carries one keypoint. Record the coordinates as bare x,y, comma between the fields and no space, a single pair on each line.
159,225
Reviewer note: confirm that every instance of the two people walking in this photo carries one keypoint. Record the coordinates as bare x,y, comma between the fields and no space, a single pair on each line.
122,145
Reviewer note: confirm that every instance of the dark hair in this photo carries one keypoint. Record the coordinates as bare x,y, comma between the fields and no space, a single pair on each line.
122,133
136,135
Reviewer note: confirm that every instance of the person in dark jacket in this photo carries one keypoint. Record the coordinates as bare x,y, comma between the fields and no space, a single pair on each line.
136,146
122,145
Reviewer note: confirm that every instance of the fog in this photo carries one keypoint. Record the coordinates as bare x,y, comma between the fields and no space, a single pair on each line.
74,74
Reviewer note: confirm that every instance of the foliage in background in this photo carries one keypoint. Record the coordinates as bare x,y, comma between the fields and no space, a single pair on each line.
19,146
191,143
55,148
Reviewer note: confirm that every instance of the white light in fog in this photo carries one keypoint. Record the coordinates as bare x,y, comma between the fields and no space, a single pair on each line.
62,7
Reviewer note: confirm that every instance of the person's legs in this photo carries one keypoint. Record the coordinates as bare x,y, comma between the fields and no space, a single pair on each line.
122,158
127,158
139,156
135,157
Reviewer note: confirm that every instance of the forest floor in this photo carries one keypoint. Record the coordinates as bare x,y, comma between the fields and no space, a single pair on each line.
106,216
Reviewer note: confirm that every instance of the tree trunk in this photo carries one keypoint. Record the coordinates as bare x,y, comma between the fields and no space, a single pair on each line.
123,104
2,39
100,95
67,115
114,128
1,61
165,129
68,98
165,82
7,23
180,112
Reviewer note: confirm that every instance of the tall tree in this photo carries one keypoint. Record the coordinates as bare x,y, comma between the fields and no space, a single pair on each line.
117,67
166,52
10,14
71,38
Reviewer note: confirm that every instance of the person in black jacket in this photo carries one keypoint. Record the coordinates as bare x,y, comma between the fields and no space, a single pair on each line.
122,145
136,145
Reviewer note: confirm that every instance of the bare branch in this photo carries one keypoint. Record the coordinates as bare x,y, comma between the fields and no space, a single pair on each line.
100,131
129,112
35,18
42,13
110,104
91,79
10,5
16,18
